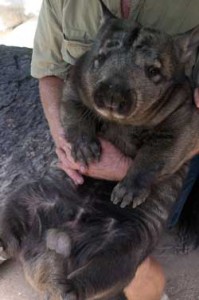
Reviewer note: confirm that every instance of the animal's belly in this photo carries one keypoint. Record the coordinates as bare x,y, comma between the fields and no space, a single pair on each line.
122,137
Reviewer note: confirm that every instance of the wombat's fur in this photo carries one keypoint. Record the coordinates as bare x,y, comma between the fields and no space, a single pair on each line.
73,242
131,88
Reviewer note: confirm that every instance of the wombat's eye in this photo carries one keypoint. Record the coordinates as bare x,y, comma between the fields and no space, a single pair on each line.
113,44
99,60
154,74
153,71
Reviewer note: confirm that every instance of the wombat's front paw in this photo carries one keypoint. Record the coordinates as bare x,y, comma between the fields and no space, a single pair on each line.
127,193
86,150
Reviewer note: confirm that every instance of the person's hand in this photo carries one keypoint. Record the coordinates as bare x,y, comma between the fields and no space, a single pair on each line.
113,165
66,161
196,97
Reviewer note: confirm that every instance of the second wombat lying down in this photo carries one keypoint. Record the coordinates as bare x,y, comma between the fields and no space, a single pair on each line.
132,89
72,242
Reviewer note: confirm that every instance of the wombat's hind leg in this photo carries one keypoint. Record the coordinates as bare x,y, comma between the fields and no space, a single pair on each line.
59,241
111,270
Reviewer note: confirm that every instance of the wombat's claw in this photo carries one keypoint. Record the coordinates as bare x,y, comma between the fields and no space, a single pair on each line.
138,202
139,196
128,195
120,195
86,152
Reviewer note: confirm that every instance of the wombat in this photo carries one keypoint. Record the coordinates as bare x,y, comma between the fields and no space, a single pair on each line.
132,89
72,241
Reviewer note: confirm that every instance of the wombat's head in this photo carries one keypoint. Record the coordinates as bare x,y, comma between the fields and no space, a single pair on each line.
130,69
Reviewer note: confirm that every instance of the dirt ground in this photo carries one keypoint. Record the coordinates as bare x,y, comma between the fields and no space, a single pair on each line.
12,283
181,269
182,273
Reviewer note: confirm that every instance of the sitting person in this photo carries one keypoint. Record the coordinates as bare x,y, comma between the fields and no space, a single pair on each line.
66,30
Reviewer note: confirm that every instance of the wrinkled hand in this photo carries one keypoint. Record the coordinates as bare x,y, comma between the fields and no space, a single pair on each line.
66,162
113,165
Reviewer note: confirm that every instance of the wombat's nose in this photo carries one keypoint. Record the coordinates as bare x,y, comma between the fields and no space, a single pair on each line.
113,96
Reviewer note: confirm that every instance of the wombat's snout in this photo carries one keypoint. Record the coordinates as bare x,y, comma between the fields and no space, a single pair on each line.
113,97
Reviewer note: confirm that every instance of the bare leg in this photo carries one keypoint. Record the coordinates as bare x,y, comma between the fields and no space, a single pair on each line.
148,283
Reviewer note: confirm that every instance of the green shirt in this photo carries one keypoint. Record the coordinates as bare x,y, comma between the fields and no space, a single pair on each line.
67,28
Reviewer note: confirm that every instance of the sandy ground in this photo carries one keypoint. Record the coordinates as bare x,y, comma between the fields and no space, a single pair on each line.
181,269
182,273
12,283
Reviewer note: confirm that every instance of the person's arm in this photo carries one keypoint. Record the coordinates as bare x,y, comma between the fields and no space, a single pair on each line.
50,71
50,93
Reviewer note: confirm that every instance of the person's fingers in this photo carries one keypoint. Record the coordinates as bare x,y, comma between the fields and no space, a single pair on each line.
64,145
68,167
67,147
65,158
196,97
73,174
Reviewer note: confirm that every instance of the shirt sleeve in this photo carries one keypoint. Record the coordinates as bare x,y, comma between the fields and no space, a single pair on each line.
47,58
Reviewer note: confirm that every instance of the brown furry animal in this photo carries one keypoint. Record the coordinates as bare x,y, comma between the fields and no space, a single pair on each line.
131,88
72,242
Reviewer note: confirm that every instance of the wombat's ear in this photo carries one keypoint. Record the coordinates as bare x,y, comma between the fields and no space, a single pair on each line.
188,43
107,14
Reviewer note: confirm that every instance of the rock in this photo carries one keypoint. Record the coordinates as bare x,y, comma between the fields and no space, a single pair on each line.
26,147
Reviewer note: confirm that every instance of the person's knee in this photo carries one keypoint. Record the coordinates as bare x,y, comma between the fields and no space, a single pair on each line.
156,272
148,283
